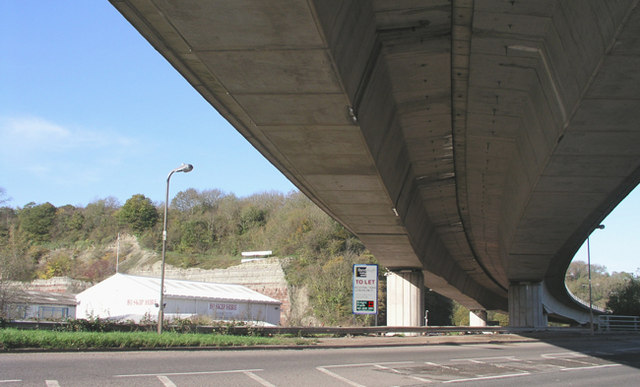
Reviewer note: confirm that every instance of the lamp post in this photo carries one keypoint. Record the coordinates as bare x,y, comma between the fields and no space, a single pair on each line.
598,227
183,168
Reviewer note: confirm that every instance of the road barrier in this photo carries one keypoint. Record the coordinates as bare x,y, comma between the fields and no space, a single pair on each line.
611,323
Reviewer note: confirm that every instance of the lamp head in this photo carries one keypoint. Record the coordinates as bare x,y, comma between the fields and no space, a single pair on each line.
185,168
600,227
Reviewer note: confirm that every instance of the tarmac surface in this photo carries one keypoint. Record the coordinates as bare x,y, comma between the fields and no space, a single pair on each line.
464,339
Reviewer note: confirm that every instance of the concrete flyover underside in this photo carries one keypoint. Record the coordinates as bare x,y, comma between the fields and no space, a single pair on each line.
477,141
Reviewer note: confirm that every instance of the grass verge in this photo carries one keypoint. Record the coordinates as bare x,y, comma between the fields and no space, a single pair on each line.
11,339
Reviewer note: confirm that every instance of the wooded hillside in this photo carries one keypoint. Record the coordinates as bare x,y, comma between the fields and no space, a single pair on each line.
209,229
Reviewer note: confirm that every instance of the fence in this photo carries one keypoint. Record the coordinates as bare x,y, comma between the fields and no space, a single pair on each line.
610,323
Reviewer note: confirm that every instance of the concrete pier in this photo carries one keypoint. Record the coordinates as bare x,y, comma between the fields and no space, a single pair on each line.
525,305
478,318
405,298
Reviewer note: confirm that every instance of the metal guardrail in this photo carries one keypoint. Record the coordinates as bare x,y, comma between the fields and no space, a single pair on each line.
611,323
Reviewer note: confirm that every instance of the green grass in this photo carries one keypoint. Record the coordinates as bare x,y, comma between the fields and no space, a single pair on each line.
51,340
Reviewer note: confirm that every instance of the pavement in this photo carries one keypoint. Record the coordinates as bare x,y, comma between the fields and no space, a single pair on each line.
463,339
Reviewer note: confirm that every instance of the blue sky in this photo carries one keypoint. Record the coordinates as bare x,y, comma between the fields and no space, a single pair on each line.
88,110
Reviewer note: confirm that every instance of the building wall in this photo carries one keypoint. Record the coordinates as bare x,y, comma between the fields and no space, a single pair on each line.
223,310
265,276
40,312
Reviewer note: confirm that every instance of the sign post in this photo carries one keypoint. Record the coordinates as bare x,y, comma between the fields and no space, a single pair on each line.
365,289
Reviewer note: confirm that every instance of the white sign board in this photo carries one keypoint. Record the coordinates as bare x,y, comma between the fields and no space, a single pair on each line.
365,289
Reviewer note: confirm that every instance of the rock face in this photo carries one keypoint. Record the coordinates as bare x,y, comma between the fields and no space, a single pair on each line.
265,276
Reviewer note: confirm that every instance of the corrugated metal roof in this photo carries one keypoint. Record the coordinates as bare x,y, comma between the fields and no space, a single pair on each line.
43,298
200,290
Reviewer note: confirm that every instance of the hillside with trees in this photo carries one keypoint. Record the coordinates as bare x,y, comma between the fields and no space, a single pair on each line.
209,229
206,229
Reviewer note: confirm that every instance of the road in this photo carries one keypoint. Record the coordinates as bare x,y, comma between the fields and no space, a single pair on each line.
594,362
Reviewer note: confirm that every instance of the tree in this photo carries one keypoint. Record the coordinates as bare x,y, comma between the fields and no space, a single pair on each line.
196,237
192,201
252,217
3,196
12,268
626,299
37,220
138,213
603,283
100,221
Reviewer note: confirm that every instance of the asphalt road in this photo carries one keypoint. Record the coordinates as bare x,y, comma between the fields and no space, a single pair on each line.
613,361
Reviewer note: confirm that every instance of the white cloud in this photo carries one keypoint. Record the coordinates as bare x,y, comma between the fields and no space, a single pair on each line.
35,134
32,130
38,153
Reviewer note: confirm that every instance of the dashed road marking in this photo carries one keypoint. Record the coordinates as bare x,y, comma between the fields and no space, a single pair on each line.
10,381
52,383
166,381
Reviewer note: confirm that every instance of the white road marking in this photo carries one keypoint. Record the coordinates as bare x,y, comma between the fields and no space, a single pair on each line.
483,359
188,373
487,377
400,373
441,366
10,380
366,364
259,379
52,383
590,367
166,381
324,369
562,355
334,375
628,349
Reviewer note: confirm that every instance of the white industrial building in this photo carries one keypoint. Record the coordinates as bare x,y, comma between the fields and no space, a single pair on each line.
127,297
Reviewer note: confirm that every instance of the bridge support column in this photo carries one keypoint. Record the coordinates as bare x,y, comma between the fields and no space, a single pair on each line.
478,318
525,305
405,299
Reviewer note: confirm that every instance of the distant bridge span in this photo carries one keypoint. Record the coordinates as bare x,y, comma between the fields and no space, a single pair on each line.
471,145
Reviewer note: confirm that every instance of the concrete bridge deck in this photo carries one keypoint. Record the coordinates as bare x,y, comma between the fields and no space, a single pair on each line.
477,143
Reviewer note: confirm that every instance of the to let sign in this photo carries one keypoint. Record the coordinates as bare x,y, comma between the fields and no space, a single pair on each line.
365,289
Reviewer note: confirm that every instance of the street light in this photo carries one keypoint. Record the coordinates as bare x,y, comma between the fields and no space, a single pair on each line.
183,168
598,227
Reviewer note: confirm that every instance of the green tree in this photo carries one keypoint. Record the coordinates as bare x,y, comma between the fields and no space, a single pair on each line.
138,213
252,217
196,237
100,221
602,283
626,299
37,220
